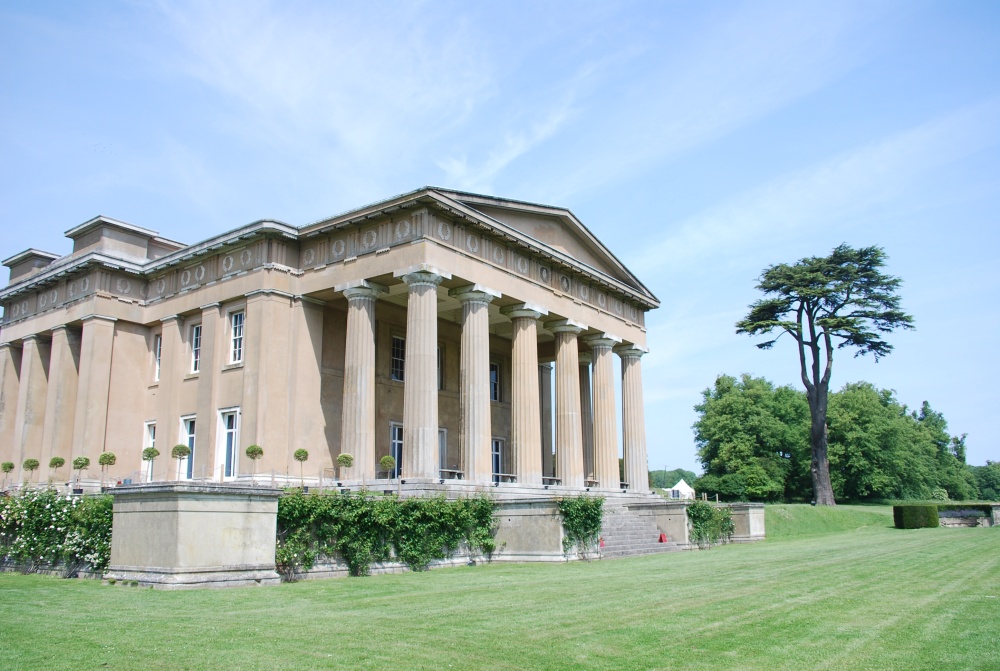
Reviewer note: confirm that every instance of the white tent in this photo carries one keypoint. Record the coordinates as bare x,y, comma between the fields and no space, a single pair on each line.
681,490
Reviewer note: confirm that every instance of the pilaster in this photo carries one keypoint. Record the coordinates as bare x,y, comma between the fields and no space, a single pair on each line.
60,405
545,408
90,424
172,371
213,352
29,422
10,370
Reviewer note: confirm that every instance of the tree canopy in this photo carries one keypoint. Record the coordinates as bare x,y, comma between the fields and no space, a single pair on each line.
753,442
841,299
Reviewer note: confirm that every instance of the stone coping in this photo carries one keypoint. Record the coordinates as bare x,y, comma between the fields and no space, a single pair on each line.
215,488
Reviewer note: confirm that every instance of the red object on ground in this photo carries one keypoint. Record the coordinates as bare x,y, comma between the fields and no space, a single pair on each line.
663,538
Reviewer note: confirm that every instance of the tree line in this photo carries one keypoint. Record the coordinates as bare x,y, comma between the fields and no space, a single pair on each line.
754,443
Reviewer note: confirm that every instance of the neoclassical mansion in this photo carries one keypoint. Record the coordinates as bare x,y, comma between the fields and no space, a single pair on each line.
470,337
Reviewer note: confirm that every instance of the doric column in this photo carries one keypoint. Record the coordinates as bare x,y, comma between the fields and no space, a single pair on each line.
633,420
10,367
569,437
525,426
30,418
545,407
475,381
420,389
96,347
586,416
605,412
60,405
357,433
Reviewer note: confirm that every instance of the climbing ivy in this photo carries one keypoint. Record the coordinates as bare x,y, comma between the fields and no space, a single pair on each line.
581,520
709,524
363,529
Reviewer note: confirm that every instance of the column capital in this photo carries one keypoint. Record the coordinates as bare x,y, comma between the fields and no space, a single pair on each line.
60,327
564,326
422,273
602,340
93,317
630,351
360,289
210,306
528,310
32,337
474,293
169,318
585,358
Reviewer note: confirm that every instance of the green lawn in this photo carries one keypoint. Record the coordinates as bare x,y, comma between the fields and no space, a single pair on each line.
864,597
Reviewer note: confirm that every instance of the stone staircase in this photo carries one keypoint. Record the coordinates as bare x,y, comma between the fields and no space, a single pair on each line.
629,534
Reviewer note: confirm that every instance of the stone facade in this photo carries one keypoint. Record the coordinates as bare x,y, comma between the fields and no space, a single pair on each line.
471,337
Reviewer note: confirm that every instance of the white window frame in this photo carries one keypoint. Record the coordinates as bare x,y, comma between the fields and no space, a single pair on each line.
157,353
496,388
185,467
237,336
442,448
196,347
148,440
225,448
401,376
396,447
497,449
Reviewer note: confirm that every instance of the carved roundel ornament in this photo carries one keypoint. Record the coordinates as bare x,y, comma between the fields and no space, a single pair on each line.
309,256
338,248
472,242
368,240
584,292
123,285
185,278
444,230
227,263
161,286
402,229
43,300
498,254
245,257
199,273
543,272
602,300
522,265
564,283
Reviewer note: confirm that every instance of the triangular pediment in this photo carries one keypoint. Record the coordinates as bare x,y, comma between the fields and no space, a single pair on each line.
554,228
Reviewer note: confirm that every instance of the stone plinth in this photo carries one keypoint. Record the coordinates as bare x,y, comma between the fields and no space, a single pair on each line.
748,522
185,535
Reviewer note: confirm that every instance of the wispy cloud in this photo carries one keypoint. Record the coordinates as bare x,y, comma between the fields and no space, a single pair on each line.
838,191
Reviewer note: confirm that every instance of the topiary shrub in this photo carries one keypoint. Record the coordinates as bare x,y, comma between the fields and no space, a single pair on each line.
915,516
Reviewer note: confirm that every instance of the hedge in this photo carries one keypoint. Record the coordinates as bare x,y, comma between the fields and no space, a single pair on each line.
915,516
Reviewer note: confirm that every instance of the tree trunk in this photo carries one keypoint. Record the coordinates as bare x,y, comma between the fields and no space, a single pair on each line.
820,466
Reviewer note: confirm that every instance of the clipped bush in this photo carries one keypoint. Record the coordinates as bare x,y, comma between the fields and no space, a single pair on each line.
915,516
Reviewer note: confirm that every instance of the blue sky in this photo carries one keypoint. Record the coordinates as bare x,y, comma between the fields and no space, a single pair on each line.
701,141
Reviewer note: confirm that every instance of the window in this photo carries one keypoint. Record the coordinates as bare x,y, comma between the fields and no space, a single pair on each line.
443,449
236,337
398,358
185,466
196,348
497,458
396,448
157,350
149,440
494,381
675,493
229,438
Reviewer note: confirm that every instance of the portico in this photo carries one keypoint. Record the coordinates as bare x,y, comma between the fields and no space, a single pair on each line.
472,338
